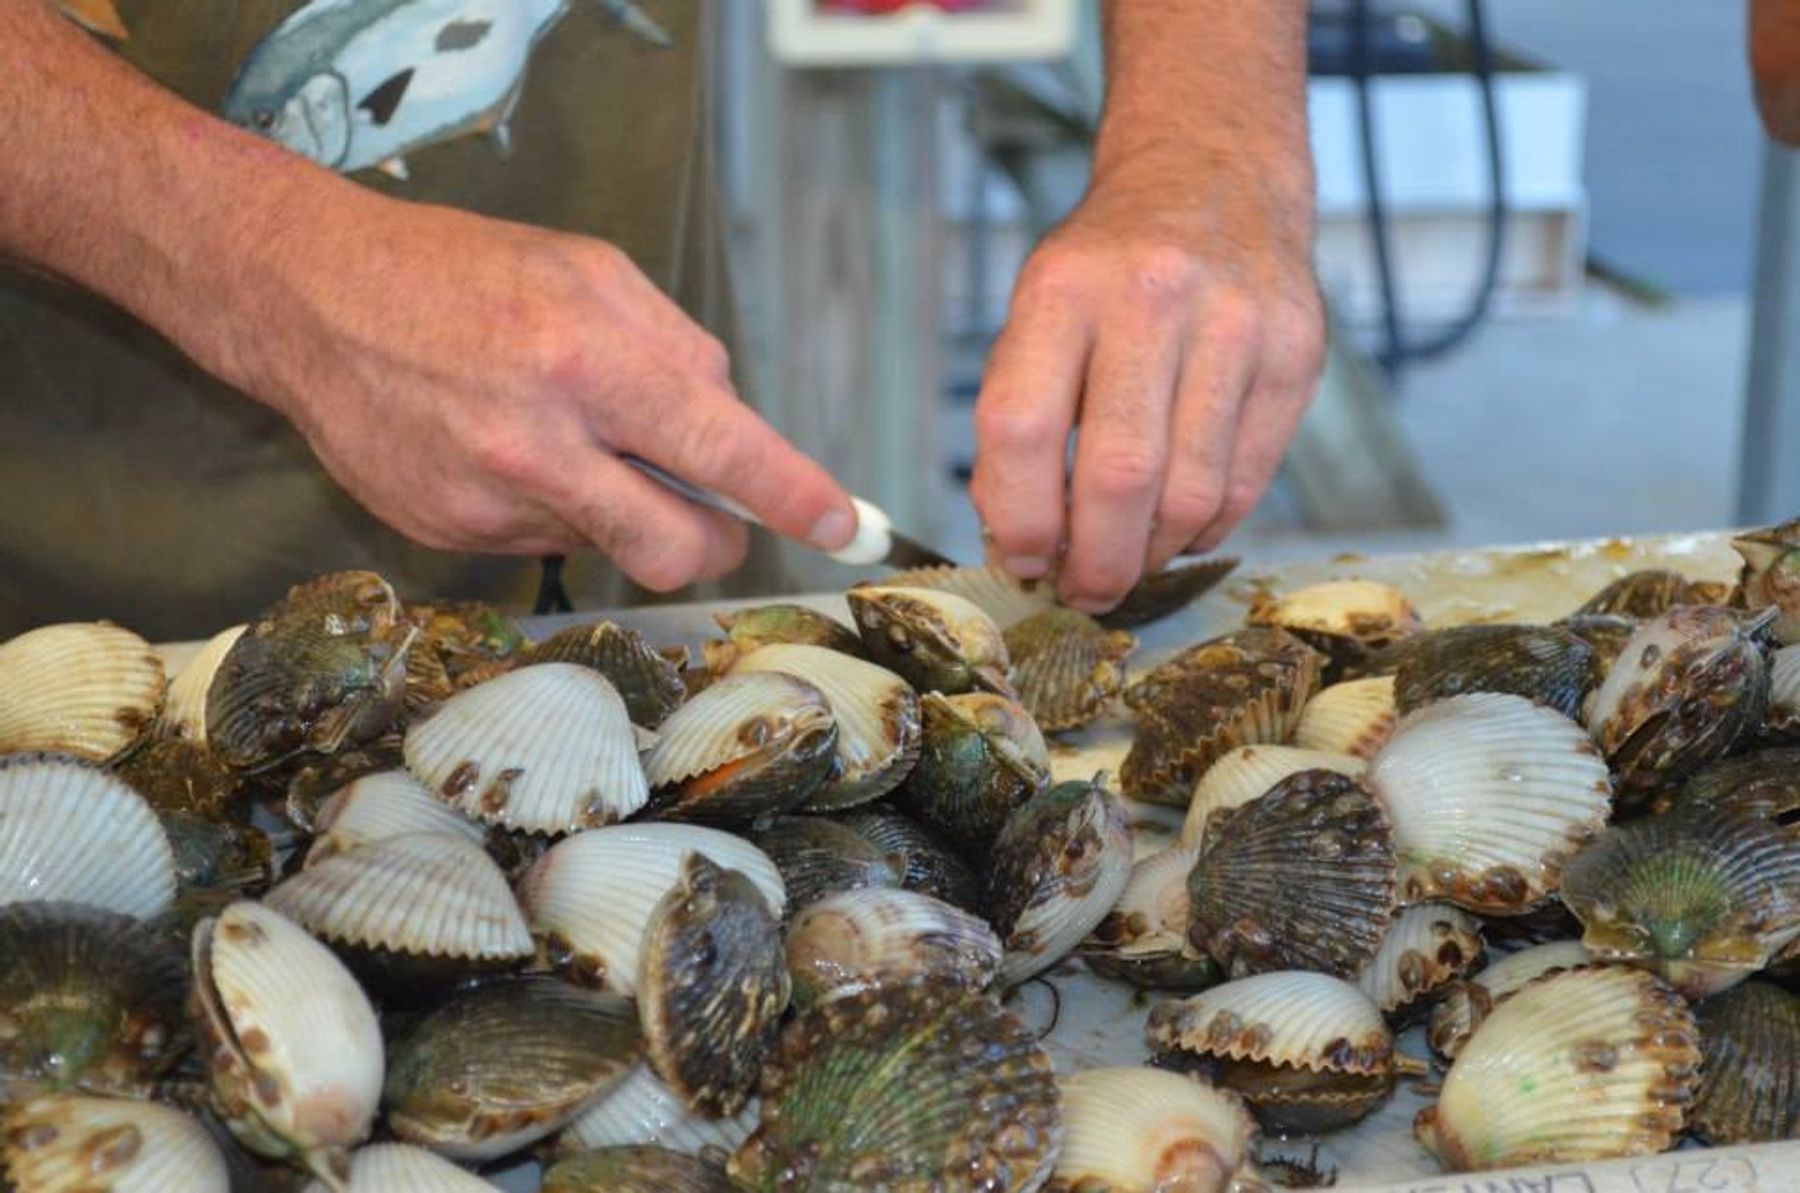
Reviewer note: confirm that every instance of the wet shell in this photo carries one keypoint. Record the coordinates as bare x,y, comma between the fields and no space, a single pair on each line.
76,1144
1687,689
980,1096
981,757
1299,878
1468,1003
89,999
1605,633
858,938
71,831
176,775
1006,600
1355,717
1058,867
649,684
1588,1065
1650,592
817,856
1542,663
1137,1130
1701,898
936,641
746,746
184,712
1428,946
1489,795
1251,771
877,717
1771,575
590,897
89,689
402,1168
291,1044
1247,688
385,804
931,866
1750,1081
545,749
503,1065
712,986
1066,667
1347,619
1784,690
1765,784
1169,591
641,1109
767,625
1150,919
638,1169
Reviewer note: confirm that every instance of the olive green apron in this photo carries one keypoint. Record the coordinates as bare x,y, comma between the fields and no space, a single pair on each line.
134,487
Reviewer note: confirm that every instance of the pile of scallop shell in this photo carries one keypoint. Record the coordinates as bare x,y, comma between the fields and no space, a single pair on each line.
375,895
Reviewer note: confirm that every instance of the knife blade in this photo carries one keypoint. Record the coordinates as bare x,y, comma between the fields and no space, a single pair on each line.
876,539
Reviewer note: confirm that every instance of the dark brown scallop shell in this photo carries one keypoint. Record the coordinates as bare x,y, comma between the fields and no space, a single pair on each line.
649,682
1750,1077
1542,663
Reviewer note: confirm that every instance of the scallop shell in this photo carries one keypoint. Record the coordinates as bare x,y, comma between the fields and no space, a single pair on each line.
853,939
1299,878
931,866
293,1048
1771,575
1764,784
590,897
936,641
184,712
817,856
1251,771
877,716
402,1168
1150,918
1784,690
71,831
1489,794
1750,1080
1347,619
641,1109
636,1169
1467,1003
1355,717
1066,667
1169,591
1588,1065
77,1143
501,1066
1427,946
1058,867
1542,663
981,756
1700,898
828,1118
175,775
746,746
1145,1129
649,684
385,804
1606,634
993,589
767,625
545,749
1650,592
89,689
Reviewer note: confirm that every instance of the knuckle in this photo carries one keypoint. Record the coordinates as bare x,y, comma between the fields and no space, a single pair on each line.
1051,272
1006,425
477,521
505,457
673,561
717,447
712,358
1234,323
1123,473
1188,510
1162,272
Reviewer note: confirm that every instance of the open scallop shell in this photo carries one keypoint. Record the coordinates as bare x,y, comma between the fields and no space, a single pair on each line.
1150,918
1147,1129
89,689
184,712
1489,795
1467,1003
1067,667
1347,619
590,897
937,641
1771,575
639,1168
403,1168
1750,1081
385,804
501,1066
1251,771
855,938
829,1094
1355,717
1299,878
1587,1065
980,757
545,749
1003,598
877,716
745,746
649,683
766,625
79,1143
1542,663
71,831
931,867
641,1109
1427,946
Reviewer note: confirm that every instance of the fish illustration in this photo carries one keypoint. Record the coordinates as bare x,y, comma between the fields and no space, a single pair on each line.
354,84
99,16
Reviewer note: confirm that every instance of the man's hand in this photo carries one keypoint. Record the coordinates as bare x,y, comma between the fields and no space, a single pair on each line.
1173,318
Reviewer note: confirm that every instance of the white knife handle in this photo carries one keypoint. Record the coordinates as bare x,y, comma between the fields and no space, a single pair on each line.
873,537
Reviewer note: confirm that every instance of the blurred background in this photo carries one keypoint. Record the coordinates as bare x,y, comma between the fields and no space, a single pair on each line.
1539,229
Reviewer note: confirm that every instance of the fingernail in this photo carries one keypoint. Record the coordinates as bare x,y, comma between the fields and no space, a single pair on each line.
833,530
1027,567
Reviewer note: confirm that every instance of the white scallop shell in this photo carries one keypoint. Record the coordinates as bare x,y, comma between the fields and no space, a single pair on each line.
850,939
877,715
386,804
1468,1002
403,1168
68,1142
71,831
1351,608
703,734
1426,946
993,589
303,1043
641,1109
595,891
1150,919
1140,1128
545,749
184,713
1310,1020
1249,772
1356,717
1784,684
1489,795
424,894
1061,913
89,689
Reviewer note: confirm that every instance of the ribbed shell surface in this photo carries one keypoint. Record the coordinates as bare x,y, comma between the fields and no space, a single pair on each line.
69,1144
89,689
636,1169
641,1109
1355,717
935,640
851,938
1425,947
1468,1002
709,731
1147,1129
1151,915
1308,1020
1066,667
184,712
545,749
1250,771
649,683
386,804
1750,1083
403,1168
73,832
993,588
1784,687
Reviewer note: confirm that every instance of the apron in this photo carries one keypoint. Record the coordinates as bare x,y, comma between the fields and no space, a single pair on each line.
134,487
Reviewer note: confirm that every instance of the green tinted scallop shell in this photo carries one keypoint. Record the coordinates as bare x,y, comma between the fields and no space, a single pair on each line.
937,641
640,1168
649,683
1541,663
979,1095
1750,1079
766,625
931,866
1067,667
980,757
745,746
